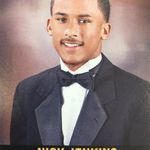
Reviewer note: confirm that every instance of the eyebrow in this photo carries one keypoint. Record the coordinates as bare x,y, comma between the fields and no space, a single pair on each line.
64,14
60,13
84,15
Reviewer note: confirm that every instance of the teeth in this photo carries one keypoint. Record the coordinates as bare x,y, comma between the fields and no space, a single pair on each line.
71,45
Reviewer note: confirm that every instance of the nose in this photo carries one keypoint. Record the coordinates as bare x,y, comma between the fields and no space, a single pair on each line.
72,30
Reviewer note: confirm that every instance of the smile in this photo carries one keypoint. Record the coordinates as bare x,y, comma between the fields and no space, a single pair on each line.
72,44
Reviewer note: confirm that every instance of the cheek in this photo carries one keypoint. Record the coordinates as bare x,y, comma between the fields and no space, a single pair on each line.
92,40
92,32
56,38
57,33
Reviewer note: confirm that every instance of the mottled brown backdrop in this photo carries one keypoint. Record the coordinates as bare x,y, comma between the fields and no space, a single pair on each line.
26,48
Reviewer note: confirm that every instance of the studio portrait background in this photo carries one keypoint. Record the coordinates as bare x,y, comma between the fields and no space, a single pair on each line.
26,48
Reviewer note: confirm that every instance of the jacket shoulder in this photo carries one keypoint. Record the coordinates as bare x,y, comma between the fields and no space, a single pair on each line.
131,84
124,76
35,80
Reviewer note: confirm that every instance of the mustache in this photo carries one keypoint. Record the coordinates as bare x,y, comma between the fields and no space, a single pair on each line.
72,40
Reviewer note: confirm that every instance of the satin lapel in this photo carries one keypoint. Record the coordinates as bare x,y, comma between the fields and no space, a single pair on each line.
90,121
93,115
48,115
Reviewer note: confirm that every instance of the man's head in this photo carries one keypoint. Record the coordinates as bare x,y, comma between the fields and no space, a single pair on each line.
104,6
78,28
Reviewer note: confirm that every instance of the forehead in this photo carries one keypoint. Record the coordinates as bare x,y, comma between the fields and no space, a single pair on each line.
76,7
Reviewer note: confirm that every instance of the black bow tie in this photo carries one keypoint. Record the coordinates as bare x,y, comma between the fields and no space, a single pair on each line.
66,79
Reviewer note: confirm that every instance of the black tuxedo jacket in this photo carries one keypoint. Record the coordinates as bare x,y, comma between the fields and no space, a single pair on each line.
116,112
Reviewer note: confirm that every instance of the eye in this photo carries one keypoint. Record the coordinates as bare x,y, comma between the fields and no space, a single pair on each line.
61,20
84,21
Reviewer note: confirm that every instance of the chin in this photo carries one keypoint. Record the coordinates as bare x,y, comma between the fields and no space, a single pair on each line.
74,62
70,62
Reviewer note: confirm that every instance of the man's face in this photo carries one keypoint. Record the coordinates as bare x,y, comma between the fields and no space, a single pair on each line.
78,28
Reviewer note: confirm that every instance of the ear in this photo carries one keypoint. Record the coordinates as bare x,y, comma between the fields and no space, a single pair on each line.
106,27
49,26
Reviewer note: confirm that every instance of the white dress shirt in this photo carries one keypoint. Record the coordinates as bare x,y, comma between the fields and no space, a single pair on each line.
74,96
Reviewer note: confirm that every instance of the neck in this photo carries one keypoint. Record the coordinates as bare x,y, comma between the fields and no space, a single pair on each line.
81,67
74,67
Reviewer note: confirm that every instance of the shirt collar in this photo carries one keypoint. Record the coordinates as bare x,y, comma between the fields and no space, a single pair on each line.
84,68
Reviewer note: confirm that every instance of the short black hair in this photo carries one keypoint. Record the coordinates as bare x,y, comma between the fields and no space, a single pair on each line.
103,4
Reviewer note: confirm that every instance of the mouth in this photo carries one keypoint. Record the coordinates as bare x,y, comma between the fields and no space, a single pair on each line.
72,44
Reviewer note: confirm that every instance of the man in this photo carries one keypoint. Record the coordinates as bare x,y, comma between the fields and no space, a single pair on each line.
86,100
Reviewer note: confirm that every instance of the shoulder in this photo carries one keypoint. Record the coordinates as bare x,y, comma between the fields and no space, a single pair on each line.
130,81
132,89
35,80
124,81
